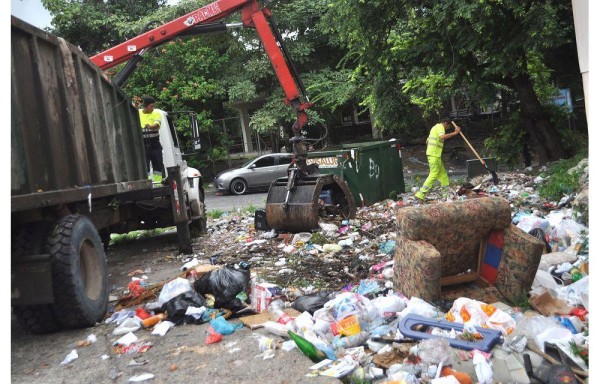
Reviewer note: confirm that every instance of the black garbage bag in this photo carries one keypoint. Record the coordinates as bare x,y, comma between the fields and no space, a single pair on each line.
225,284
313,302
177,306
539,233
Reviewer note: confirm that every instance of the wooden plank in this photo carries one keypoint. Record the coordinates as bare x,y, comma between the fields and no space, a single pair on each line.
459,279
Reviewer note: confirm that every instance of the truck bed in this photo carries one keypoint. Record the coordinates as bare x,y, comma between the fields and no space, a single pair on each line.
73,132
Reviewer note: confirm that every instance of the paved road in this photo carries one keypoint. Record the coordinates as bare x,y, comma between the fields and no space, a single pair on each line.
228,203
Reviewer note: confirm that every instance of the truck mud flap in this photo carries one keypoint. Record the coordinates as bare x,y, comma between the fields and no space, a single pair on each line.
310,198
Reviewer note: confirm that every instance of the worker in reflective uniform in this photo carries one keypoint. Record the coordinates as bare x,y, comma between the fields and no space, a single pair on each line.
150,121
435,145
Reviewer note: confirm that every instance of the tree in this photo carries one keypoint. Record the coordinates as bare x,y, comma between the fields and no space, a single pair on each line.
94,25
434,49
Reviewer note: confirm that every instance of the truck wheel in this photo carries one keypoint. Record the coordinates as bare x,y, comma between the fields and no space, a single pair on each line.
238,187
35,318
79,272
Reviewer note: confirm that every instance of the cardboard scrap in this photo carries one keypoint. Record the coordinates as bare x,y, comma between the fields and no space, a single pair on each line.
388,359
256,321
548,306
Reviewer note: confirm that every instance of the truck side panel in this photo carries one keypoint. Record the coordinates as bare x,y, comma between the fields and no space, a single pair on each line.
70,126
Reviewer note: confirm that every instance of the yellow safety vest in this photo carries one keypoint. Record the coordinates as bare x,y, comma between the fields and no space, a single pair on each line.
434,143
150,119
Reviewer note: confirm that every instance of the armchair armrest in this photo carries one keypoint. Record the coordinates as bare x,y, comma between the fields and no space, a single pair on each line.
520,259
417,269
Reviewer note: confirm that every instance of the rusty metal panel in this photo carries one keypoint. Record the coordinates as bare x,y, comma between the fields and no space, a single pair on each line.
70,126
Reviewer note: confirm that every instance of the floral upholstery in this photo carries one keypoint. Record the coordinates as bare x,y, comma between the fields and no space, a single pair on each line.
520,259
444,239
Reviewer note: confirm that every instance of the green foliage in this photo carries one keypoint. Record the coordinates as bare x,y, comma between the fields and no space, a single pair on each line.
522,302
429,91
123,238
214,213
559,181
318,238
428,51
94,25
507,142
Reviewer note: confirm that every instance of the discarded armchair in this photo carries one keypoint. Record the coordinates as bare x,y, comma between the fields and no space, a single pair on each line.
466,241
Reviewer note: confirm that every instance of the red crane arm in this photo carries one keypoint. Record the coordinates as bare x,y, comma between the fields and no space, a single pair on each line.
211,12
253,16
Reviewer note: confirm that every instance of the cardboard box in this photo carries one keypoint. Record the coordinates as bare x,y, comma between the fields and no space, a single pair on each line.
262,295
549,306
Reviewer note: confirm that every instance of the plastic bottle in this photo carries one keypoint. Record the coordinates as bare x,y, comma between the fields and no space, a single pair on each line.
149,322
307,347
276,310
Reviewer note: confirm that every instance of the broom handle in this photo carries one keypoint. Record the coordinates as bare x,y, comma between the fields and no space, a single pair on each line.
469,144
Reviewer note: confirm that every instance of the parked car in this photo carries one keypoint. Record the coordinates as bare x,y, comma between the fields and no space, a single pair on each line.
255,174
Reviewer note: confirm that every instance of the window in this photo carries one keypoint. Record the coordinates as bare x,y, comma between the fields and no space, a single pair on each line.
285,160
268,161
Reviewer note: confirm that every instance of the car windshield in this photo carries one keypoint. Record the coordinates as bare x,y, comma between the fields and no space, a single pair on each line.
247,163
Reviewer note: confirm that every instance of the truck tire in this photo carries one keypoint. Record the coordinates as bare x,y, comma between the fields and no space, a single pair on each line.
79,272
35,318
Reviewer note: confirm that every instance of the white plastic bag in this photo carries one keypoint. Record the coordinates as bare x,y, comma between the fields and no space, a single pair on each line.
391,303
483,369
174,288
577,293
419,307
131,324
567,228
304,321
528,223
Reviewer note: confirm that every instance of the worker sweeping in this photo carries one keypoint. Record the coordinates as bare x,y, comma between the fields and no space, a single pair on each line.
435,145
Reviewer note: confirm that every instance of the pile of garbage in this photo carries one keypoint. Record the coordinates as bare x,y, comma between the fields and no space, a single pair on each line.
355,325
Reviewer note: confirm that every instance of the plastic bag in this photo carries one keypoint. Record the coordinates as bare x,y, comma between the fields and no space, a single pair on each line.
136,288
483,369
223,327
311,303
419,307
567,228
348,304
502,322
213,336
368,286
304,322
528,223
391,303
177,307
174,288
434,351
224,284
388,247
542,329
130,324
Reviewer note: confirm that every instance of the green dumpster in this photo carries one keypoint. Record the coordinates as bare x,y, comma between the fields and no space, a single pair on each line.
372,170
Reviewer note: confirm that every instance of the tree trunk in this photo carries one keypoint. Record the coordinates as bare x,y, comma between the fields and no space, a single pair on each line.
545,137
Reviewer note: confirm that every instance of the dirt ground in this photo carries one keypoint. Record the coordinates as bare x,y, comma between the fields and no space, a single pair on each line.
178,357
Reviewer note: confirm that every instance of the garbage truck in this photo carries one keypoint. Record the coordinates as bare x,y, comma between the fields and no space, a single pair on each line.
294,203
78,174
